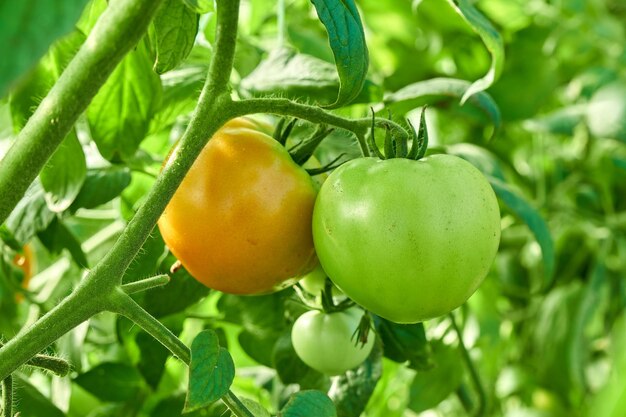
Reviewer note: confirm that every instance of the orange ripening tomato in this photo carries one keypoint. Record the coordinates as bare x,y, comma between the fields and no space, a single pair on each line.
240,222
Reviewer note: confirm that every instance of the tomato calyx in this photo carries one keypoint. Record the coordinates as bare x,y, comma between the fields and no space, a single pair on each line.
396,146
302,151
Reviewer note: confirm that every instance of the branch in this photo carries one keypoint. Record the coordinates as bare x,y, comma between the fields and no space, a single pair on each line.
119,28
286,107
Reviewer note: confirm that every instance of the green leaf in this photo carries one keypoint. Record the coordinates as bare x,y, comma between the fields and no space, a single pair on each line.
300,77
200,6
347,40
152,361
259,344
254,407
537,225
28,29
404,343
352,391
309,404
120,114
31,215
27,95
491,38
173,32
29,402
431,387
256,314
182,291
173,407
101,186
63,175
114,382
437,89
211,371
57,237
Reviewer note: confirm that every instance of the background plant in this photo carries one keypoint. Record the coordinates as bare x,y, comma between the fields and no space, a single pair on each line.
114,86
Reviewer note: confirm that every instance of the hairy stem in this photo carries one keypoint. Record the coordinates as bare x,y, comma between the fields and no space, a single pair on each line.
286,107
84,302
7,396
145,284
121,303
117,31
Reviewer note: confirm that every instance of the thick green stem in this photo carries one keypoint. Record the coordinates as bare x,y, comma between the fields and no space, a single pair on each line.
117,31
122,303
478,385
84,302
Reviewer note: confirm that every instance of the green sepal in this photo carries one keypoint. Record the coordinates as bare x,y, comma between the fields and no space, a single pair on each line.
328,167
301,152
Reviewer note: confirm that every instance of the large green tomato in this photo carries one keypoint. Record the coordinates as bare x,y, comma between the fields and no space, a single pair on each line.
327,341
408,240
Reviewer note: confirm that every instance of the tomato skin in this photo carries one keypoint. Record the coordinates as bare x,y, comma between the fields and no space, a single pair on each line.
407,240
240,222
325,342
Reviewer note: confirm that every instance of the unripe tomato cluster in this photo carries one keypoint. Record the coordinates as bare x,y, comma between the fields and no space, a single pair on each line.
406,240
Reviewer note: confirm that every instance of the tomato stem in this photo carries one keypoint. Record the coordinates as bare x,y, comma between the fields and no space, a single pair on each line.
124,305
478,385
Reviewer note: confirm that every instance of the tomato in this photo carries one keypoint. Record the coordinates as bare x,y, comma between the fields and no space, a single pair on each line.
240,222
327,341
407,240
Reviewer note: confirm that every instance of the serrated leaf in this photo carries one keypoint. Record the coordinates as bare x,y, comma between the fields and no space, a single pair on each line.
347,41
309,404
28,29
211,371
101,186
491,38
431,387
31,215
112,381
200,6
119,115
537,225
436,89
352,391
173,32
63,175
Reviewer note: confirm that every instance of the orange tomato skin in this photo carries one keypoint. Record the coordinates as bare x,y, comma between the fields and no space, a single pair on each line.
240,222
26,262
